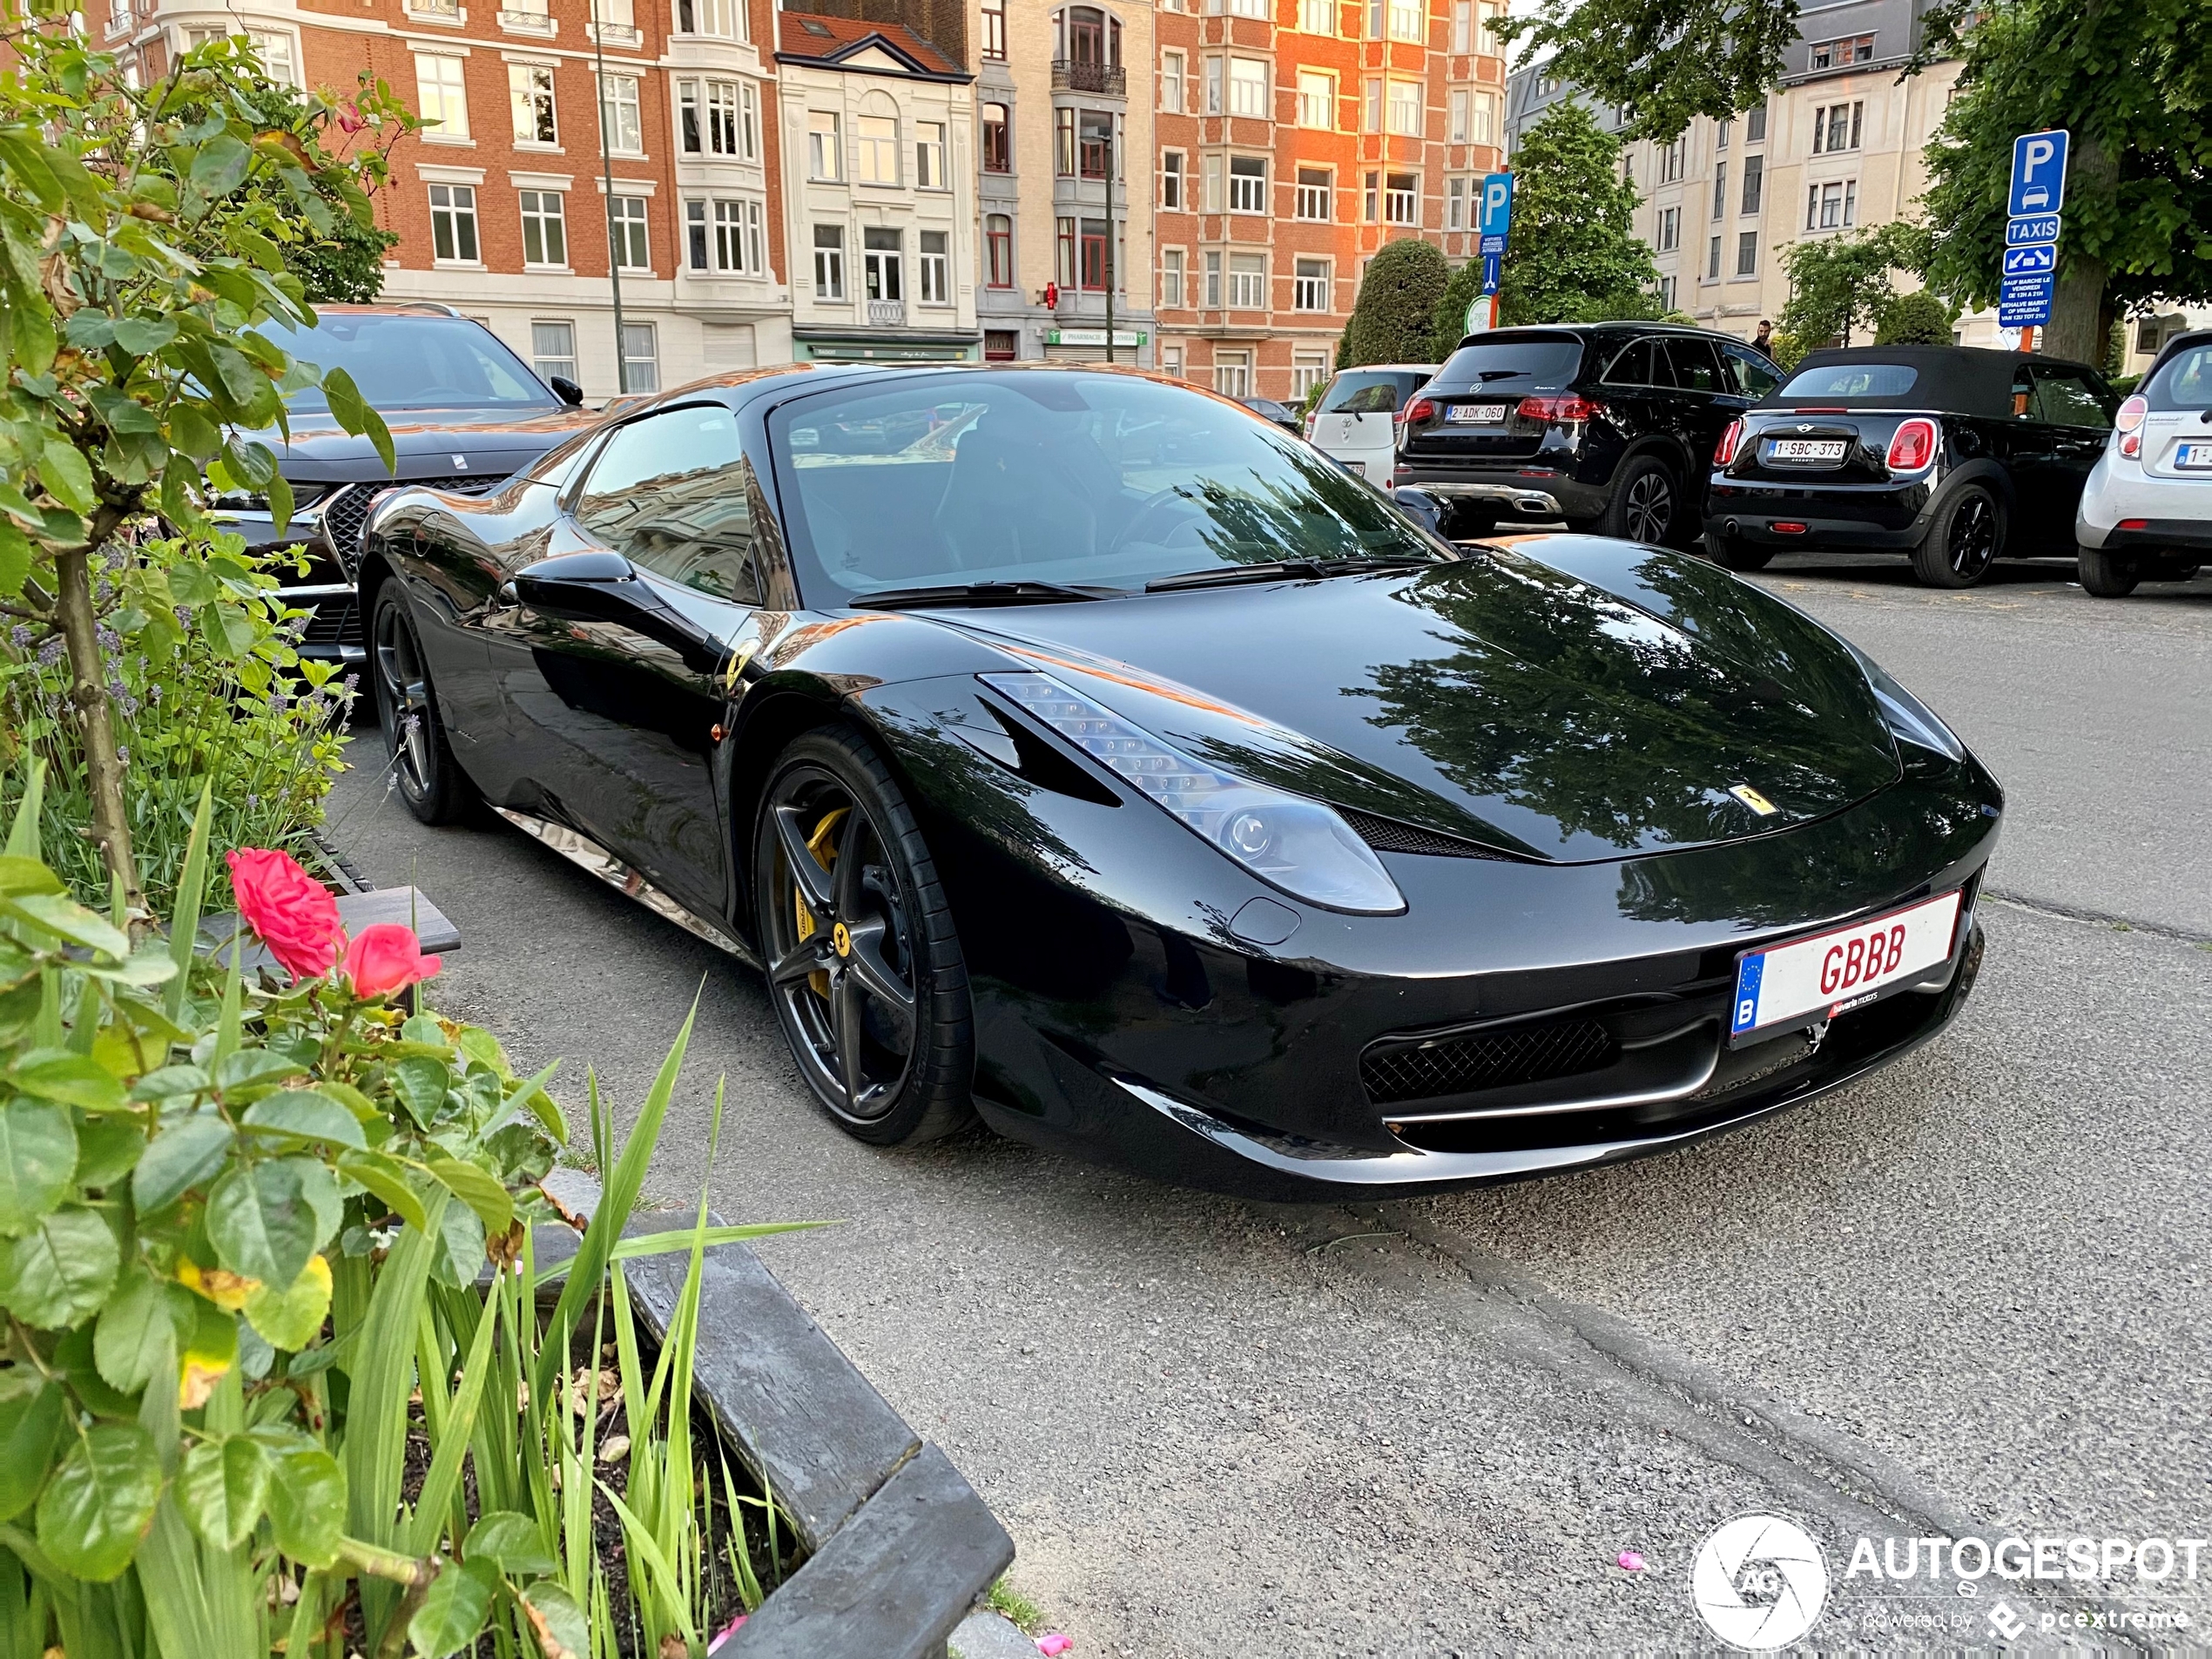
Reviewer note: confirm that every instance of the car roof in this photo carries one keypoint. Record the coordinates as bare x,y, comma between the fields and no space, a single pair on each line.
1964,379
1548,330
743,385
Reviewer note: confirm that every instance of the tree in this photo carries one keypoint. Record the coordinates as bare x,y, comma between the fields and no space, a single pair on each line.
1840,285
1660,61
345,265
1390,320
1572,257
142,232
1916,319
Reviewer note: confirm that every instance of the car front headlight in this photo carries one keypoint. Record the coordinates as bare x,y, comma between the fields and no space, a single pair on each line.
1300,846
1908,719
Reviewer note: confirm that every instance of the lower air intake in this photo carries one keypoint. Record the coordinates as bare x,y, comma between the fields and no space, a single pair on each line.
1527,1053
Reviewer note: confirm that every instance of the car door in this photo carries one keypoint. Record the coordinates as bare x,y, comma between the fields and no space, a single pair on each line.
619,641
2076,409
1706,402
2028,448
1639,385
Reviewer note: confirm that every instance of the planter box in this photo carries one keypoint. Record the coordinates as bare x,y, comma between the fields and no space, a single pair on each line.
898,1545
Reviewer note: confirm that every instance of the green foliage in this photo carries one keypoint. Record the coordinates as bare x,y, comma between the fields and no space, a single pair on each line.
1572,257
1785,348
1391,320
1449,326
347,267
1841,285
1916,319
1660,61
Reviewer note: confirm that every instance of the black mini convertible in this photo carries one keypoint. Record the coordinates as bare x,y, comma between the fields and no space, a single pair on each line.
1078,750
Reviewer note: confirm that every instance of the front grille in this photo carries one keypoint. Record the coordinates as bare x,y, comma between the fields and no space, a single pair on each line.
1388,835
347,511
1527,1054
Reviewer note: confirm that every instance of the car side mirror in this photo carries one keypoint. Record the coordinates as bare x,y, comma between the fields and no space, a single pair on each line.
601,586
1424,505
566,389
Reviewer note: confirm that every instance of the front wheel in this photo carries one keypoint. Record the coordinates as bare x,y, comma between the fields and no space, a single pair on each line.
2107,574
1963,543
430,780
864,968
1731,554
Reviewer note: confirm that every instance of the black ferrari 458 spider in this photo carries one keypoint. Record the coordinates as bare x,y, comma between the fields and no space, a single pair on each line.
1078,750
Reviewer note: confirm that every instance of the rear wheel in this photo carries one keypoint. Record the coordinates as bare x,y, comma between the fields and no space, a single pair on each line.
864,968
1645,502
1733,554
430,780
1963,543
2107,574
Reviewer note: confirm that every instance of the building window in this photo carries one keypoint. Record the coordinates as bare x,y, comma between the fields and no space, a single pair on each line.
1720,138
1371,106
1628,168
1371,209
1405,108
1482,121
1747,253
1836,126
1172,81
880,264
274,50
453,222
553,349
998,251
725,18
1095,273
1839,54
1406,18
1402,199
626,230
829,261
1463,26
1666,294
825,153
1308,370
1831,206
1754,180
1171,276
1456,130
727,236
1455,204
929,155
711,120
1232,372
640,358
1317,100
619,115
1213,86
1713,261
1669,229
1064,252
1063,143
1247,184
875,149
442,95
936,269
1248,282
1095,143
1375,15
1171,362
1313,193
1248,87
1213,282
1309,285
993,41
531,86
1210,198
998,138
1318,16
1173,186
1672,159
1755,126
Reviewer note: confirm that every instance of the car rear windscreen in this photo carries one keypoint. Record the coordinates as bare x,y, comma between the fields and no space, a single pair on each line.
1513,365
1373,391
1850,379
2184,381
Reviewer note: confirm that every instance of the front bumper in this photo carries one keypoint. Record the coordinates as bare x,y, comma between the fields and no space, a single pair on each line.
1889,518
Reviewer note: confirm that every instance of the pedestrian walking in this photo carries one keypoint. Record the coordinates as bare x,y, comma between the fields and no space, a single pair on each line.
1762,341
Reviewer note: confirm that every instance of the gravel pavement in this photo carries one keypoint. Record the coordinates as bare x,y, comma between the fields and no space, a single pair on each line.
1966,1298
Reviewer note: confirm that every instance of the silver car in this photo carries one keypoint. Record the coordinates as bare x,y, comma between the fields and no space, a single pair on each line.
2146,512
1355,419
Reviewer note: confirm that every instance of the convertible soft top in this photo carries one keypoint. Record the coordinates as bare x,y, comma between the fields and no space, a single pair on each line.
1960,379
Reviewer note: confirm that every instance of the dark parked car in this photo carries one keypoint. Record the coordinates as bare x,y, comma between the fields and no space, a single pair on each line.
464,412
1268,409
1954,455
1609,426
1111,764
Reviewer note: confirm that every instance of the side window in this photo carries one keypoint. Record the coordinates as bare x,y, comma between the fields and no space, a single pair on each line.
2066,397
1749,375
2023,395
1697,366
668,493
1632,366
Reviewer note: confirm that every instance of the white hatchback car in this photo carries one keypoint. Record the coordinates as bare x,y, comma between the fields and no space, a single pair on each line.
1356,419
2146,512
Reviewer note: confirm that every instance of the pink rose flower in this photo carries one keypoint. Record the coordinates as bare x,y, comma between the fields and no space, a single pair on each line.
288,910
387,958
1055,1644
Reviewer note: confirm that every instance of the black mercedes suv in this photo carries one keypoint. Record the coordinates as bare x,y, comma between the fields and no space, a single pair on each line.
465,414
1609,426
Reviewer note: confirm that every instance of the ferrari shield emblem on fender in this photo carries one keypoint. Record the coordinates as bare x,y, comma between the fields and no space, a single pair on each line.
1756,801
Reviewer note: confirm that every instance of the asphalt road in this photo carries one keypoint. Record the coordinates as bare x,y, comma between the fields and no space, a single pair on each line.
1967,1297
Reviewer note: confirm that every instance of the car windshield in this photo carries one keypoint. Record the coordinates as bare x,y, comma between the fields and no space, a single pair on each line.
1377,392
1516,365
1850,379
2185,382
1060,476
410,361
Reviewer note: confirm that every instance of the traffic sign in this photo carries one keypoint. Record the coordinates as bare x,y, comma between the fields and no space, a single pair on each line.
1477,317
1493,245
2038,173
2035,227
2025,302
2025,261
1497,202
1493,266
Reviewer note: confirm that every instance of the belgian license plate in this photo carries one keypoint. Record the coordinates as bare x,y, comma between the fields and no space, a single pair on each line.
1359,466
2194,456
1805,450
1847,968
1474,414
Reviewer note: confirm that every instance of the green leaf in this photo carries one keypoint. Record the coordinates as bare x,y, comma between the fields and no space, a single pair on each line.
146,1320
421,1085
61,1271
557,1621
290,1319
170,1082
248,1067
72,1079
139,336
511,1542
37,1161
65,919
303,1115
187,1151
480,1191
31,1413
220,166
222,1486
453,1611
461,1246
351,410
67,475
541,1105
15,559
388,1181
108,1148
100,1502
308,1504
266,1220
20,875
192,432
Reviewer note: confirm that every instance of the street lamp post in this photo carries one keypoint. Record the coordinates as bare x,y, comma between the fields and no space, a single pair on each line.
1110,238
607,172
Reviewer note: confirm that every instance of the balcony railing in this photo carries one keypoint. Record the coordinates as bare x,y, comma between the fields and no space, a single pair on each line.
1071,75
614,34
527,21
443,11
887,313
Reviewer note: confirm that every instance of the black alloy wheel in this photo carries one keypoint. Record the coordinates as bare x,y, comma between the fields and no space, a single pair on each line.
1644,503
430,780
864,968
1963,543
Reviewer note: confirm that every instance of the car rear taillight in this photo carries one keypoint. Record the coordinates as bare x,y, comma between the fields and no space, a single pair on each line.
1731,441
1557,411
1912,446
2129,421
1419,409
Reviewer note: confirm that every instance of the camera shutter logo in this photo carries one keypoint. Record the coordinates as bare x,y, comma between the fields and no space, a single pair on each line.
1758,1582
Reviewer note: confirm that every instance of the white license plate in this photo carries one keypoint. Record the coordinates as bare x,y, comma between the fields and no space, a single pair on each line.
1835,972
2195,456
1804,448
1474,414
1359,466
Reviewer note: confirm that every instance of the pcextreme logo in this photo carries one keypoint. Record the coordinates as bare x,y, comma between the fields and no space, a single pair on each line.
1759,1582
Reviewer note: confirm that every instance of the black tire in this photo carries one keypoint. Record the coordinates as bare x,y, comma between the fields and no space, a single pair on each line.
863,967
1963,542
1731,554
430,780
2107,574
1646,503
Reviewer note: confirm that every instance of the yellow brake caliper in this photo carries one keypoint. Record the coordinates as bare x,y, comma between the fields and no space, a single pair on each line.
823,845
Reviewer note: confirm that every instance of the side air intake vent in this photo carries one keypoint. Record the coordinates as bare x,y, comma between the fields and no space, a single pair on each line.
1388,835
1396,1071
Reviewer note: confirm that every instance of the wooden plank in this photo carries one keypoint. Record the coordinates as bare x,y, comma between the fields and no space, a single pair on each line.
406,906
896,1579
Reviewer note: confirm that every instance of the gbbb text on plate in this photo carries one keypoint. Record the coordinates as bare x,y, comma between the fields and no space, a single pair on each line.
1833,972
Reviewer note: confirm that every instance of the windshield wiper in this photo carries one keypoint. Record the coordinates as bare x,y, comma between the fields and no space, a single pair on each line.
1281,570
982,593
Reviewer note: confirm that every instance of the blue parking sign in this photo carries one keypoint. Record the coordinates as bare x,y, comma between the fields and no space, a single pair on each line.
2039,173
1493,266
1497,202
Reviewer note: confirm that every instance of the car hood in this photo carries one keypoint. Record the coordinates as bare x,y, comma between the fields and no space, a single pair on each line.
1501,699
426,443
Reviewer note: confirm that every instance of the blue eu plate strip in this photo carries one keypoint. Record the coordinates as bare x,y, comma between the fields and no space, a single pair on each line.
1747,993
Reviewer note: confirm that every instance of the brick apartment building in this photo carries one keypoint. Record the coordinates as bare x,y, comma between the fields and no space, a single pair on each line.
1295,137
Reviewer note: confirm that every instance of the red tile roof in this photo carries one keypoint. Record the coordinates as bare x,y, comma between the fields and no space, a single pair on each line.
827,39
